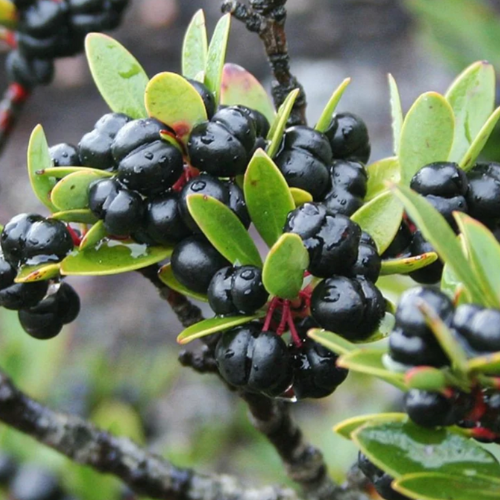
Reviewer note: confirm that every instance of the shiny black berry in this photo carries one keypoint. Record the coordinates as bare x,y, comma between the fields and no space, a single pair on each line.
194,263
444,179
254,360
42,18
151,168
13,237
315,370
368,263
430,274
206,96
483,332
483,197
348,137
400,245
429,409
29,72
64,155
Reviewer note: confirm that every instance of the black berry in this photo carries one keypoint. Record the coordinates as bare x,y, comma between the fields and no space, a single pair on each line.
64,155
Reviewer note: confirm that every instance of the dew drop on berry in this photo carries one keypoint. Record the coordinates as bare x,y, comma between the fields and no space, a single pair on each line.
248,274
148,155
207,140
198,186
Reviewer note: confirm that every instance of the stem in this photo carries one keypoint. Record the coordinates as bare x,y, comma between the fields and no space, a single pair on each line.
10,108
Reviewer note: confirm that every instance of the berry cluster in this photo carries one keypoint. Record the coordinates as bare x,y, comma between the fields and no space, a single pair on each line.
43,308
49,29
413,344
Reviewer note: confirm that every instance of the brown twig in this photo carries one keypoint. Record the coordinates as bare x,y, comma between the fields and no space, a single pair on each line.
267,19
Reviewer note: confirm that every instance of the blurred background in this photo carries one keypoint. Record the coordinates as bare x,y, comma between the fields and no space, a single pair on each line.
117,364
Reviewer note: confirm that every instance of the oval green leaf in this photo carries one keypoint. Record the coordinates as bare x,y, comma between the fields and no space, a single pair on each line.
268,197
470,157
83,216
439,234
117,74
217,55
39,159
214,325
326,116
438,486
483,252
284,268
195,47
167,276
113,257
488,364
241,87
379,173
347,427
369,361
279,124
427,134
401,448
380,218
408,264
171,99
332,341
72,192
472,97
300,196
93,236
42,272
396,113
60,172
224,230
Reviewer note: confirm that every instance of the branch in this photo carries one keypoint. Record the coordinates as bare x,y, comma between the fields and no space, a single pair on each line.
145,473
11,106
267,19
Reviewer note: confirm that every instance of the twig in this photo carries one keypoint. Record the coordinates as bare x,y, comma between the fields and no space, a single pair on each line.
10,108
267,19
145,473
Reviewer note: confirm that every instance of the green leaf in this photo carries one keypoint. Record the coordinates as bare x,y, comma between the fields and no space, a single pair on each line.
214,325
451,285
283,272
438,486
472,97
83,216
171,99
347,427
8,14
326,116
401,448
408,264
167,276
427,134
41,272
39,159
60,172
380,218
279,124
332,341
268,197
241,87
396,113
217,55
93,236
72,192
470,157
439,234
117,74
113,257
488,364
224,230
483,252
195,47
369,361
300,196
379,173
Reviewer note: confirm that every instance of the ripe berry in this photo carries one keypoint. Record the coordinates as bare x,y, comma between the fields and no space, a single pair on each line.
400,245
29,72
429,409
316,374
111,123
64,155
151,168
483,198
430,274
340,201
223,146
368,263
163,222
121,210
445,179
484,331
351,308
331,240
207,97
254,360
46,319
194,263
42,18
13,237
303,159
348,137
133,134
261,123
47,240
234,290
